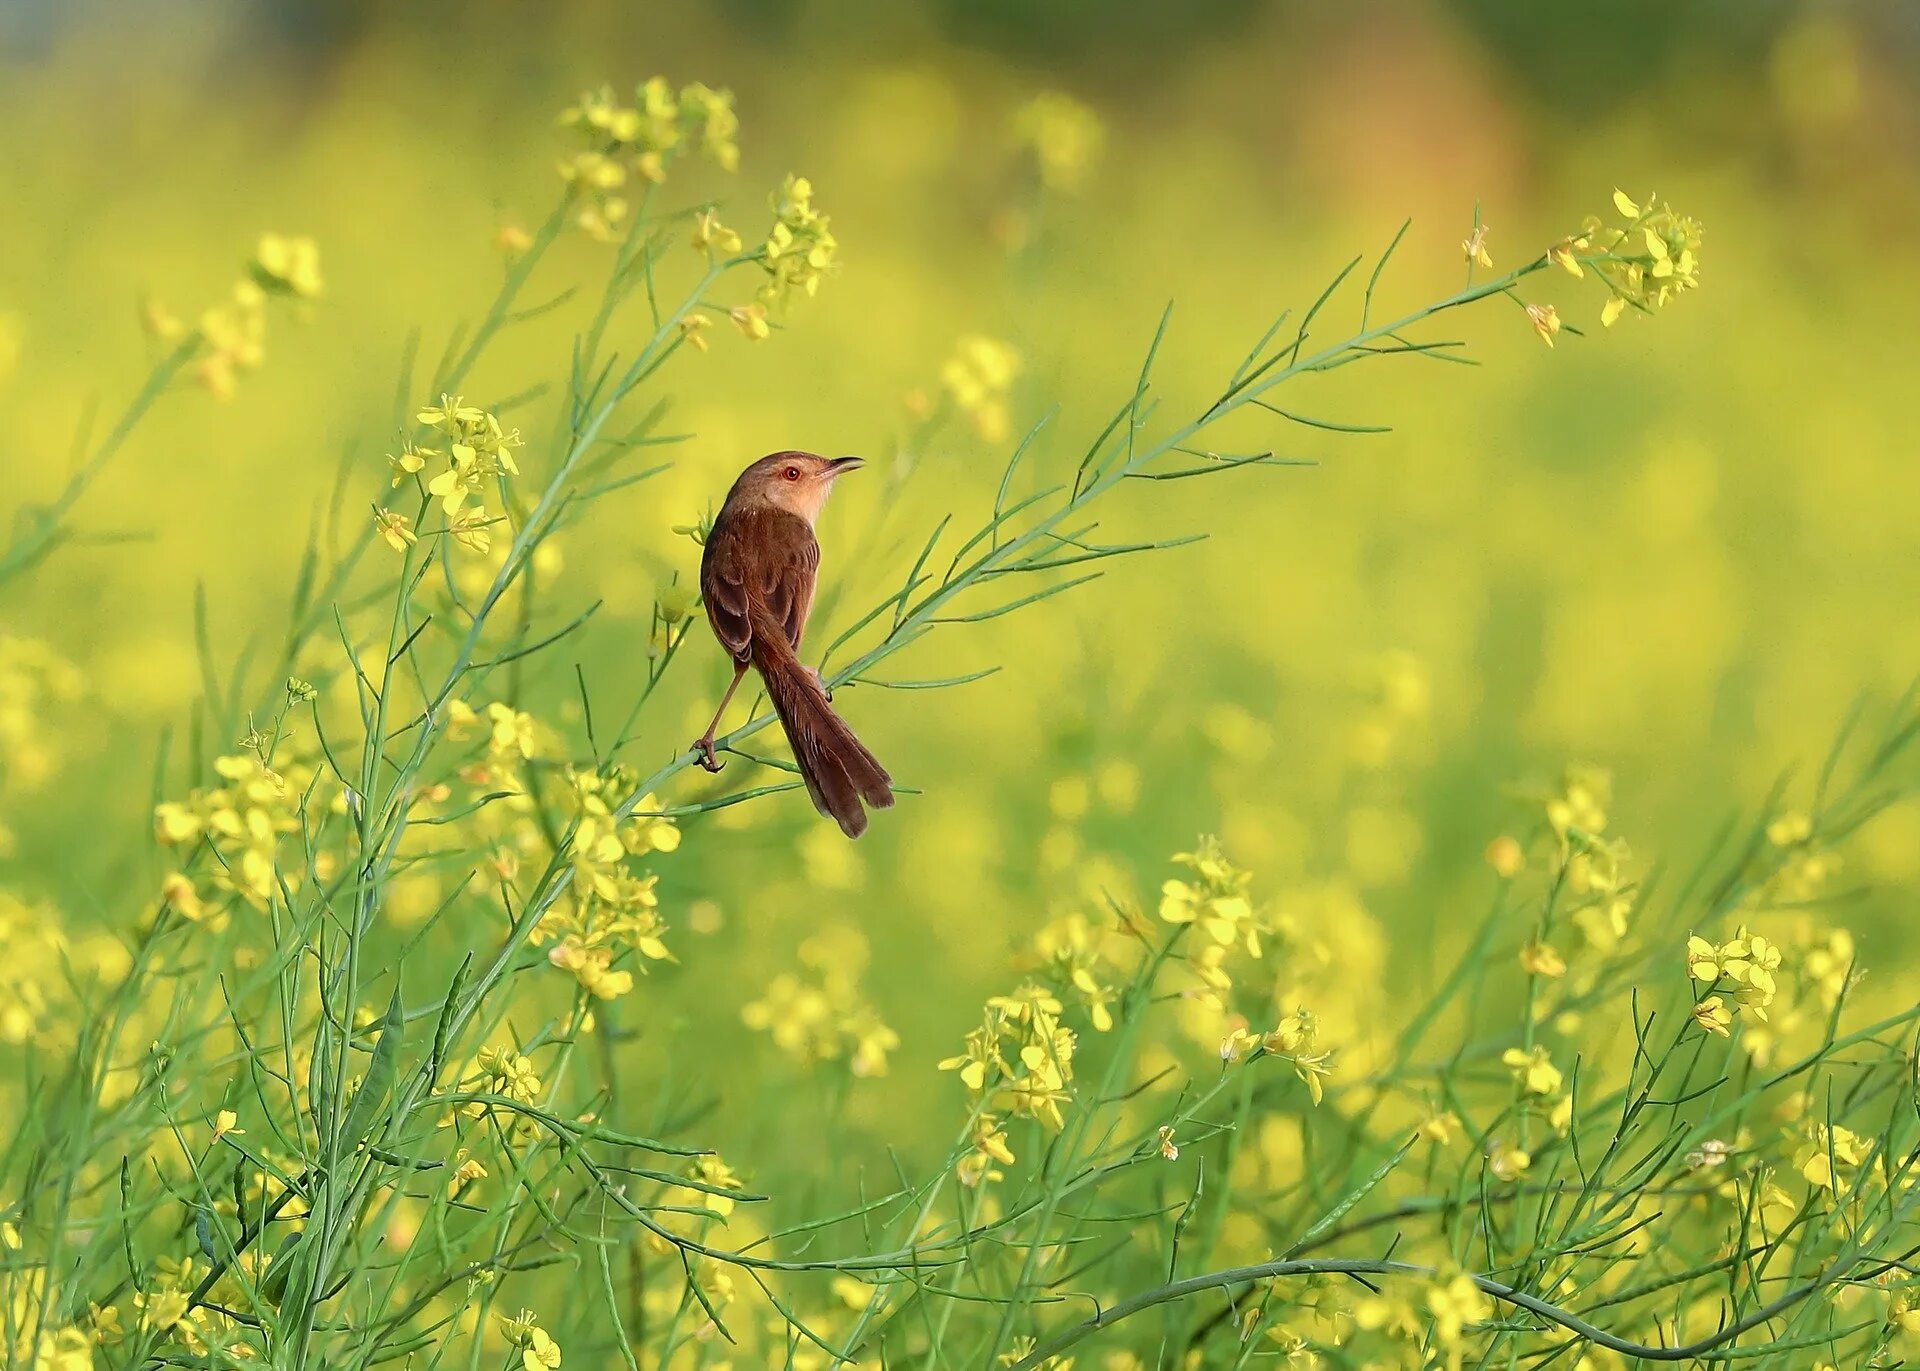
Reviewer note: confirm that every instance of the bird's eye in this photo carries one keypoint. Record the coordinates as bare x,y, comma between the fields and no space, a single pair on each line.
791,473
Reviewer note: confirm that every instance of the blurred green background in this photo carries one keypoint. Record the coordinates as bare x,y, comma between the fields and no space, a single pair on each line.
1678,550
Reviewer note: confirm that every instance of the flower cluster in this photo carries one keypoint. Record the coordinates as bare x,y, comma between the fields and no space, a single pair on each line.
1216,903
166,1310
610,910
1592,865
478,449
1539,1088
822,1016
1743,967
1071,953
1295,1040
230,337
500,1071
243,819
624,145
1646,261
1018,1063
1453,1303
800,247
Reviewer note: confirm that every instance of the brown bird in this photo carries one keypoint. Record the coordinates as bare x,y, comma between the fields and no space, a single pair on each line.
757,578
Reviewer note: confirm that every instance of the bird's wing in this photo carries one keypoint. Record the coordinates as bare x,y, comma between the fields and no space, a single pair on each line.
726,583
791,573
760,558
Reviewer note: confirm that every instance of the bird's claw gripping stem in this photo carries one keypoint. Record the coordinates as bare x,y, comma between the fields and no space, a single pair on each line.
703,753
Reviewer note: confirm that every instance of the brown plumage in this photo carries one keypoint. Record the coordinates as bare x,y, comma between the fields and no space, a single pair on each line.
757,579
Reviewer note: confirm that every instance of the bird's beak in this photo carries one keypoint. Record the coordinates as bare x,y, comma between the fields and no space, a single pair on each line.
839,466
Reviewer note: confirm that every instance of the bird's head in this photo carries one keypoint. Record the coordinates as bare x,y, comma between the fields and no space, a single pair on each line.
797,482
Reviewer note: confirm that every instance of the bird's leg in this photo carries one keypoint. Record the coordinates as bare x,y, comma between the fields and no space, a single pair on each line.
821,681
703,745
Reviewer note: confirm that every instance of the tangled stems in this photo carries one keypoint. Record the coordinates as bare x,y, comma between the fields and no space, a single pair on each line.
1109,461
359,1143
1051,541
1363,1266
380,813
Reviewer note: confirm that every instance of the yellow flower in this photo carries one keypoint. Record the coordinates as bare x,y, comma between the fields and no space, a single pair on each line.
1545,320
1827,1153
104,1320
714,123
472,531
711,1170
800,249
1441,1128
395,529
980,1060
510,730
1647,263
1505,855
289,266
709,234
1712,1015
751,320
1561,254
1703,960
1455,1301
1749,961
506,1072
1828,964
1540,959
223,1125
541,1352
693,327
454,486
67,1349
592,967
512,240
161,1309
471,1169
1507,1162
1475,247
989,1144
452,416
410,461
1533,1070
174,823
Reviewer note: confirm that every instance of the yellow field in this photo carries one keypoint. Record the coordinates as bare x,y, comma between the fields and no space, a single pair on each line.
359,894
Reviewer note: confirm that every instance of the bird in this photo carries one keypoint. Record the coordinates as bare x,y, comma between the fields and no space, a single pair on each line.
757,577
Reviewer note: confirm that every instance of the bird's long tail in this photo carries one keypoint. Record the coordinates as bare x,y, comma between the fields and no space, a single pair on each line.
838,769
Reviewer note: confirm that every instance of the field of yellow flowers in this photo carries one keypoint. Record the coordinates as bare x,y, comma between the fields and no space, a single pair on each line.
1405,847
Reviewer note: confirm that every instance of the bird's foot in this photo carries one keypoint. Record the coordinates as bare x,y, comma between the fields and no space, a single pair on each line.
703,753
821,681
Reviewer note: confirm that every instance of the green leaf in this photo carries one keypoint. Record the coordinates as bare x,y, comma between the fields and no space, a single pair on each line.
377,1084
